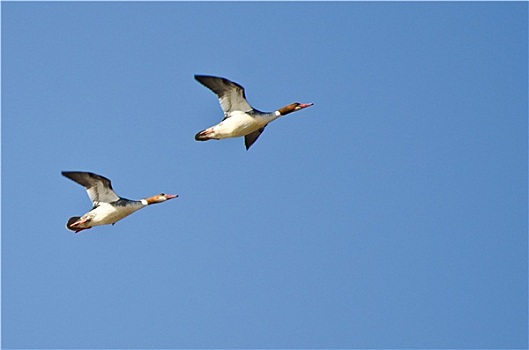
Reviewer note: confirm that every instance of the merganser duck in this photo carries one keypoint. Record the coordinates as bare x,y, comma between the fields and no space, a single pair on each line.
240,119
108,208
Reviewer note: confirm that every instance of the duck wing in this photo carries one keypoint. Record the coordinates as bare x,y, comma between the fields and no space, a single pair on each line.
231,95
252,137
98,187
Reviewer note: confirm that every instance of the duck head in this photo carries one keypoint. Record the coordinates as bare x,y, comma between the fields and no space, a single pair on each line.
293,107
159,198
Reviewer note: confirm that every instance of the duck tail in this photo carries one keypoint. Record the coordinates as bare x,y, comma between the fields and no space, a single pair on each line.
204,135
76,220
71,221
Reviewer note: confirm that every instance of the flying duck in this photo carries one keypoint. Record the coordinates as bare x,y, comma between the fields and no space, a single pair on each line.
240,119
108,208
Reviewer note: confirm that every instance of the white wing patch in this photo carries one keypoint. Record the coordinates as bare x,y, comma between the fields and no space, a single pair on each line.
231,95
98,187
98,193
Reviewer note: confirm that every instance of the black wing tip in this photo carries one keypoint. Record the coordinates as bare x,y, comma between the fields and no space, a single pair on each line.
75,172
250,139
86,178
202,78
71,174
248,142
79,177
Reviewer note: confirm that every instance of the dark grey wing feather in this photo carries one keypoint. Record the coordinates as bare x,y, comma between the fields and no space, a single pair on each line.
252,137
231,95
98,187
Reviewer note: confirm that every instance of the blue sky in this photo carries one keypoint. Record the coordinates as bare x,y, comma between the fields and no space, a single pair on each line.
391,214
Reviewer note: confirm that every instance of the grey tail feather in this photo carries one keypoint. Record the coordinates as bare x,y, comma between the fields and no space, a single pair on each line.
71,221
200,137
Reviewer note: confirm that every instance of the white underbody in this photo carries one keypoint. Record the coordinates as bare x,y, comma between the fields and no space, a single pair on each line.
240,124
106,214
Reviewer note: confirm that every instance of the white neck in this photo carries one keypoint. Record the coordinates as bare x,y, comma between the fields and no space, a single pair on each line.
144,202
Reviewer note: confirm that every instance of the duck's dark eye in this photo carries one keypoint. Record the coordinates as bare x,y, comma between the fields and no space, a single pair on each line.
162,194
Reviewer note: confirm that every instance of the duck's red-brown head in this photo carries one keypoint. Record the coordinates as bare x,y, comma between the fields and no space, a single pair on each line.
293,107
159,198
